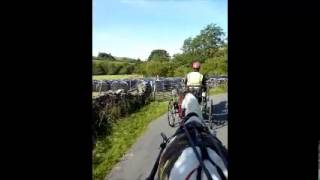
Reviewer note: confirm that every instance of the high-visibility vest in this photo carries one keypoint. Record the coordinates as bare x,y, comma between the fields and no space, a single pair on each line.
194,79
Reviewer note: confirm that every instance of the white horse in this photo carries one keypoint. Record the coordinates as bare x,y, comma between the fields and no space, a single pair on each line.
192,153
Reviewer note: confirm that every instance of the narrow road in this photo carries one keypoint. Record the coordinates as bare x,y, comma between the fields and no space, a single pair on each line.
139,160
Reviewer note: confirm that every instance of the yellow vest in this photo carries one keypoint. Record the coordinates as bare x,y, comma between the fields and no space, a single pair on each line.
194,79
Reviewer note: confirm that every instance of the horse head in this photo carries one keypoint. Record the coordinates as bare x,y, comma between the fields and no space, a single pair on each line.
191,109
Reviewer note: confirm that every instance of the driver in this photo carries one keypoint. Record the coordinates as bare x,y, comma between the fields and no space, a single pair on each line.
195,81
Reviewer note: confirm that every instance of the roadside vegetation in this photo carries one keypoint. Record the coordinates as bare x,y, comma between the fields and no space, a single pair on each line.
124,133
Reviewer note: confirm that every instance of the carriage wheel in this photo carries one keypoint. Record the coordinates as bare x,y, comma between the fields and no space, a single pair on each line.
171,114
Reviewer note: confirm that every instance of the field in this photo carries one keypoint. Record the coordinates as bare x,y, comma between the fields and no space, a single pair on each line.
218,90
114,77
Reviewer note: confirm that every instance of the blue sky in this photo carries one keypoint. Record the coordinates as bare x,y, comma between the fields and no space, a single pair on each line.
133,28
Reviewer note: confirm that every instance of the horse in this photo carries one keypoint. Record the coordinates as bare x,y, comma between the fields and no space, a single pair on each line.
192,152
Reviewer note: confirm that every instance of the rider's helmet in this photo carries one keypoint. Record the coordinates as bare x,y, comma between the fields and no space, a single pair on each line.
196,65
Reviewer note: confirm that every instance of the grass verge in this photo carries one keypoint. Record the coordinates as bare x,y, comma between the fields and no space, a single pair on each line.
123,134
218,90
114,77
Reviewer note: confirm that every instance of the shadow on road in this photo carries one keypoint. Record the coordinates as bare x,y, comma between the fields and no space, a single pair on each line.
220,112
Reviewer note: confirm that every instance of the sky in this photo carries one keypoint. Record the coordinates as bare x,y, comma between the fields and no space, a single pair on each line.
133,28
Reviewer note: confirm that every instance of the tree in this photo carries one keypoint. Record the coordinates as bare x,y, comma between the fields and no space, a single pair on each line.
105,67
114,68
187,45
216,65
154,68
106,56
181,71
159,55
186,59
97,69
206,43
140,68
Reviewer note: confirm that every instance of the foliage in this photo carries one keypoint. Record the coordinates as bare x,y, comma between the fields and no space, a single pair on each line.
105,56
124,133
206,43
159,55
97,69
209,47
215,65
101,67
154,68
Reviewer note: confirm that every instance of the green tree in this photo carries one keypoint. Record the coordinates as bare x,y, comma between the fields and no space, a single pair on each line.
206,43
97,69
187,47
159,55
140,68
105,56
216,66
114,68
126,68
186,59
181,71
154,68
105,66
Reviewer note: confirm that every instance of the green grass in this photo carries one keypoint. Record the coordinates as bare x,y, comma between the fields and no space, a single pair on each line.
113,77
218,90
124,134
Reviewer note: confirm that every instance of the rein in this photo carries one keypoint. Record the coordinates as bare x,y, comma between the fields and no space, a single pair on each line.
184,128
195,151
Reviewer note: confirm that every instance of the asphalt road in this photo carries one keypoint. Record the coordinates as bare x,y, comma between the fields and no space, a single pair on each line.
139,160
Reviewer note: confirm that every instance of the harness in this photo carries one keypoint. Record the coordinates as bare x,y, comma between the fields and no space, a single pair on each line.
195,140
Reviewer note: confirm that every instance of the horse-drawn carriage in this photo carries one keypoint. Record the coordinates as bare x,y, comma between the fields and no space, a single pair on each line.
175,111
